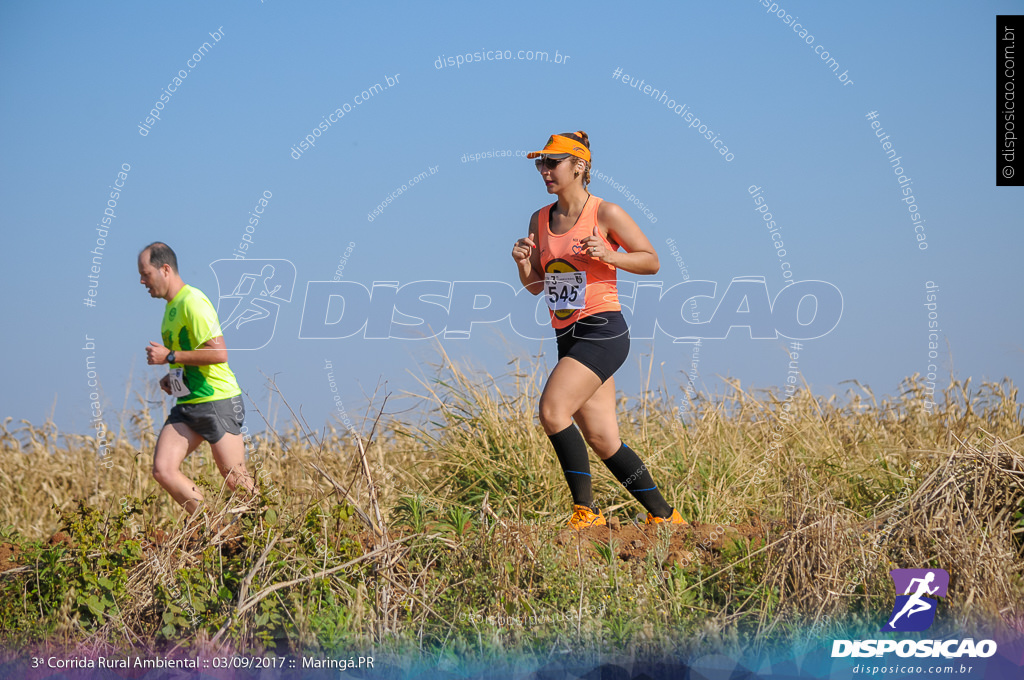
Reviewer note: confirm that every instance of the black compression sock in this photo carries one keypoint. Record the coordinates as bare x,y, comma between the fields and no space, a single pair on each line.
634,475
572,456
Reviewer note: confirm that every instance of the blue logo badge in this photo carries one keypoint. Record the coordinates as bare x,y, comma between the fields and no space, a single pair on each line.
914,609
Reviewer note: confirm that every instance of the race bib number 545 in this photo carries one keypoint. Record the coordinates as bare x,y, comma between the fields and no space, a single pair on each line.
565,290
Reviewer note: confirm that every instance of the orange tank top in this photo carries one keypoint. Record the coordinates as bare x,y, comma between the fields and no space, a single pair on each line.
576,285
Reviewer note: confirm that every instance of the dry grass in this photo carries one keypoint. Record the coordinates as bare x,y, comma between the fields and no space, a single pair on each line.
434,533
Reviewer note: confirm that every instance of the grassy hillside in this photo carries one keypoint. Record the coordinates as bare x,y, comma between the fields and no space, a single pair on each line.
440,530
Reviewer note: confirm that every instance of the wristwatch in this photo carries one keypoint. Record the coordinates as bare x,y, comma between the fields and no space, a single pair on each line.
170,357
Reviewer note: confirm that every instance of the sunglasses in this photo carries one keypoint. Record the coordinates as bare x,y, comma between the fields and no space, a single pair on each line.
548,162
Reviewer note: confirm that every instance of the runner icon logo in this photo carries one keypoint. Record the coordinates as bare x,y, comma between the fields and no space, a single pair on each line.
250,295
914,610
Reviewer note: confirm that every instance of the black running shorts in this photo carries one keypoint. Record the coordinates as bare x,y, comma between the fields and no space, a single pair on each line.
600,342
211,420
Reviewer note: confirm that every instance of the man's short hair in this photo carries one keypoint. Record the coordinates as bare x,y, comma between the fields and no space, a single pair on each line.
160,254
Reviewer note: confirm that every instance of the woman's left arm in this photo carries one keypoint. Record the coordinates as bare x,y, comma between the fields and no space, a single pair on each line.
617,226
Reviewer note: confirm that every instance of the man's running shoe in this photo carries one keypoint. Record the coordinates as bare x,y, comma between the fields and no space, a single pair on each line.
675,518
583,517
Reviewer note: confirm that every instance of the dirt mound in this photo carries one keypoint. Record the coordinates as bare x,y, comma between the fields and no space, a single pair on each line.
681,545
61,537
9,557
630,542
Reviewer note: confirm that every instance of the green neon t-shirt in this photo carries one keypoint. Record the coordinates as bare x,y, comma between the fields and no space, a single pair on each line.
190,321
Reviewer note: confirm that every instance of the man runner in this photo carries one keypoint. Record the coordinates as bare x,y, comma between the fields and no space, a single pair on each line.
209,400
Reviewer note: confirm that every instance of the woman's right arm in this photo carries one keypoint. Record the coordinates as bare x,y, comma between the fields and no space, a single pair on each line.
527,256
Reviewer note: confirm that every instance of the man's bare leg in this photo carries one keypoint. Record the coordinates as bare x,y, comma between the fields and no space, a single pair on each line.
176,441
229,454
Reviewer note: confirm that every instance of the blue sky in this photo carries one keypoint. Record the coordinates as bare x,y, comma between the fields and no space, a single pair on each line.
78,81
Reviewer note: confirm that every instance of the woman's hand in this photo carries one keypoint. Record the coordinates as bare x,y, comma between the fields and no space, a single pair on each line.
522,250
527,256
594,246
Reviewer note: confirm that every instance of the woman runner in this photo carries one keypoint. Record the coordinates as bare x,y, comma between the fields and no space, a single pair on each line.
571,256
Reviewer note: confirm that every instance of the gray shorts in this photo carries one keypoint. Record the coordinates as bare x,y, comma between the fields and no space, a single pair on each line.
211,420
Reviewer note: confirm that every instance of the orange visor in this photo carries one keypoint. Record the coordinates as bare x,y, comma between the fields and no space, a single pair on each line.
559,144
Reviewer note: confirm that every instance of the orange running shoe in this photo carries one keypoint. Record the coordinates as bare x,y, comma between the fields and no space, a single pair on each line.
583,517
675,518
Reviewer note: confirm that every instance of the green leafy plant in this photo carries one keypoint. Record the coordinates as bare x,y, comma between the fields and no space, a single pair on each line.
457,520
412,512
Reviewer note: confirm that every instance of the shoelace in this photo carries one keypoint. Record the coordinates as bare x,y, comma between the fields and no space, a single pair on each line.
582,515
